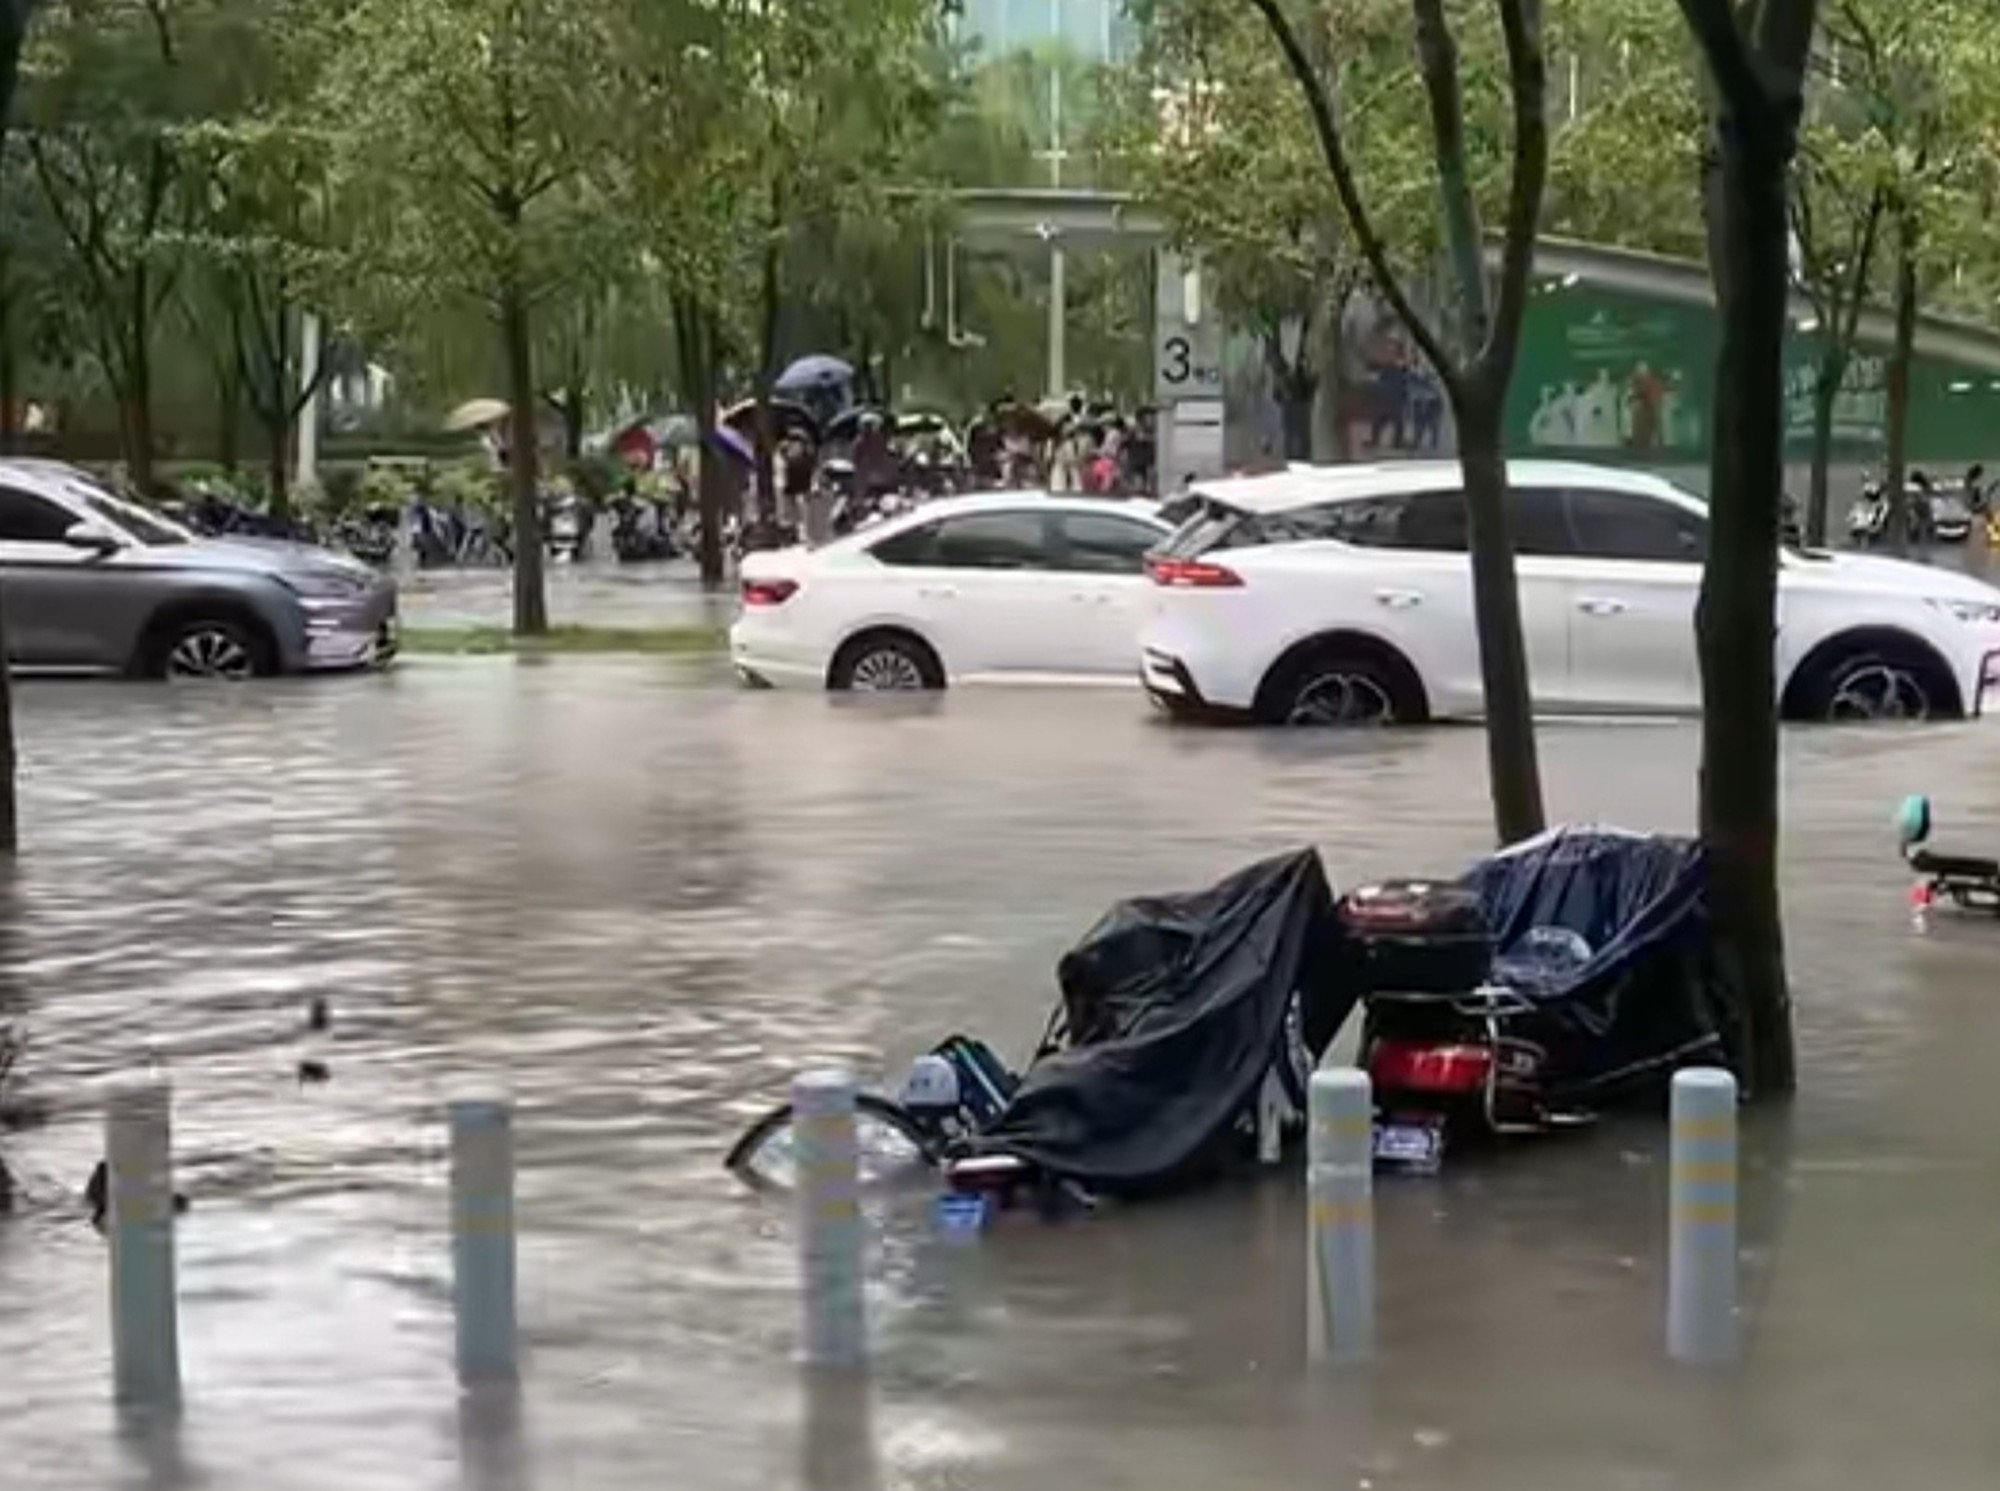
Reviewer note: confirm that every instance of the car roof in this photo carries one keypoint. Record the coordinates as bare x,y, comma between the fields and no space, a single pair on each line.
46,477
985,502
1299,486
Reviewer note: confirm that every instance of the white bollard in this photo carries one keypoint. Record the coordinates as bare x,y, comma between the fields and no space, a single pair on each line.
1340,1206
1701,1259
482,1237
831,1240
139,1176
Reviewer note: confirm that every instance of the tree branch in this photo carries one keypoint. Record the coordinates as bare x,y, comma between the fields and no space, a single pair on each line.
1714,25
1857,291
1437,64
1366,238
1528,79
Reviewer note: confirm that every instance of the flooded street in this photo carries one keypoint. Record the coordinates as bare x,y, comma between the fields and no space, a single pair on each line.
642,899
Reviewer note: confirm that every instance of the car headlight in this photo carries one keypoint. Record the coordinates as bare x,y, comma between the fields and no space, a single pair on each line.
1975,612
325,585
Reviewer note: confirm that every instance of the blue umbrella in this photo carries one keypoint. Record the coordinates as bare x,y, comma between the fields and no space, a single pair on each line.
816,371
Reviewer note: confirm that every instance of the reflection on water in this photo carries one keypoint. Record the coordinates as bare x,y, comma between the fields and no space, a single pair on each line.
643,901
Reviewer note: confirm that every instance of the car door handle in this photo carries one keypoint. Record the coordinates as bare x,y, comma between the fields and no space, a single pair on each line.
937,592
1399,600
1601,605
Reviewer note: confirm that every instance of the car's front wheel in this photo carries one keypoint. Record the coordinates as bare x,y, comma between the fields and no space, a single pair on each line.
209,647
1877,684
885,663
1340,686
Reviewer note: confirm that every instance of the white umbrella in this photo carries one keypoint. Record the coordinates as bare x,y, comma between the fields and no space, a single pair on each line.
476,414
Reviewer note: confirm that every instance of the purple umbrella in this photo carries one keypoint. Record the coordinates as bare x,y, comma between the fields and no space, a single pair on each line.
729,443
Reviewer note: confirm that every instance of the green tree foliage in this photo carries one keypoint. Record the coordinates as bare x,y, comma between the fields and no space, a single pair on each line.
1903,120
468,133
111,89
1472,352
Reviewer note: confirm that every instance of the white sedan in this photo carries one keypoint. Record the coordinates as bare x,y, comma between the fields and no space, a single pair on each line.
1344,595
1013,585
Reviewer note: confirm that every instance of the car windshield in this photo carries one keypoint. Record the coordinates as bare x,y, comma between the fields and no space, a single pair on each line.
147,527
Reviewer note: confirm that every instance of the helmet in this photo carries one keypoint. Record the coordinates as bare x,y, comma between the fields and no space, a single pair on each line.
932,1084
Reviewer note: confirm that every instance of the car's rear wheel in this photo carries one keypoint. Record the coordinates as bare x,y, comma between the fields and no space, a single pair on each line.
1878,684
885,663
213,647
1340,686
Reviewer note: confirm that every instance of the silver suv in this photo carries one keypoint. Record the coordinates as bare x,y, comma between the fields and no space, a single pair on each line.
89,582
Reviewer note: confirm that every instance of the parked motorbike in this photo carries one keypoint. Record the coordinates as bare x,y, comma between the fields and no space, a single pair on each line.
641,531
563,528
371,537
1869,516
1558,976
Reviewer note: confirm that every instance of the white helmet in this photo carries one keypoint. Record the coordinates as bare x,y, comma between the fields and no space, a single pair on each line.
932,1083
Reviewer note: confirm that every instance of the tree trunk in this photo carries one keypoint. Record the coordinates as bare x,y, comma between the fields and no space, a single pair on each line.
10,381
137,406
228,421
1496,602
695,345
1826,393
1292,385
14,18
278,471
1735,621
573,412
1895,479
767,430
1330,433
531,605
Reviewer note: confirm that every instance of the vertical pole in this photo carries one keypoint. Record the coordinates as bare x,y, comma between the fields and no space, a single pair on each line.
830,1228
1340,1206
482,1237
308,436
1058,322
139,1164
1701,1260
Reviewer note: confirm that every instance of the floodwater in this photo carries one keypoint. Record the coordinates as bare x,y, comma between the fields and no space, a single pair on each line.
641,899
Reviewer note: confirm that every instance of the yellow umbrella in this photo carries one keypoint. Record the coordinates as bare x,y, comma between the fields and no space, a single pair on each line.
475,414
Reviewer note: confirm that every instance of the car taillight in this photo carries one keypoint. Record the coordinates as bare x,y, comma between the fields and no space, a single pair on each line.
769,592
1191,574
1423,1066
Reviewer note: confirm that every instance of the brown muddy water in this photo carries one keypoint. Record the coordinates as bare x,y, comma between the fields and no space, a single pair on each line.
643,898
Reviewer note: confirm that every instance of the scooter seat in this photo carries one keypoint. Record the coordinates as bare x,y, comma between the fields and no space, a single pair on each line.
1955,866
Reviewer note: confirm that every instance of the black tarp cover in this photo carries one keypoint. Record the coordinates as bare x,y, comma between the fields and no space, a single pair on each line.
1650,998
1176,1007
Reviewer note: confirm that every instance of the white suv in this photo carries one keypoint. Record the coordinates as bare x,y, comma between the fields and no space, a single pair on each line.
1343,594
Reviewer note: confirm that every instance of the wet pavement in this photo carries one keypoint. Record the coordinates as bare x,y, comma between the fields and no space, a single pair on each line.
643,898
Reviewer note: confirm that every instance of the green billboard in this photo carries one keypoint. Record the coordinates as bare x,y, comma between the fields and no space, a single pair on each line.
1613,375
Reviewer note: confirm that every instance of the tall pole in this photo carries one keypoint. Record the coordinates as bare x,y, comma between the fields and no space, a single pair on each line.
309,386
1058,308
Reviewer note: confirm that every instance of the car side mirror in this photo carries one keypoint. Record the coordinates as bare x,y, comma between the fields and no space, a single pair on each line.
98,540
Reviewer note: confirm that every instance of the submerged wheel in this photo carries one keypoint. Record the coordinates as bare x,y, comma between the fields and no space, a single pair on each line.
892,1146
1878,684
211,647
1341,686
885,663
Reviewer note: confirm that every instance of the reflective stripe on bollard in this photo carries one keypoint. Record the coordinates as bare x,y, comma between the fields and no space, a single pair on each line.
1701,1258
482,1237
832,1269
139,1176
1340,1208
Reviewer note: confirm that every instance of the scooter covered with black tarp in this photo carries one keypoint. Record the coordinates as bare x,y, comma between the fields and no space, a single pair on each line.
1174,1010
1597,980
